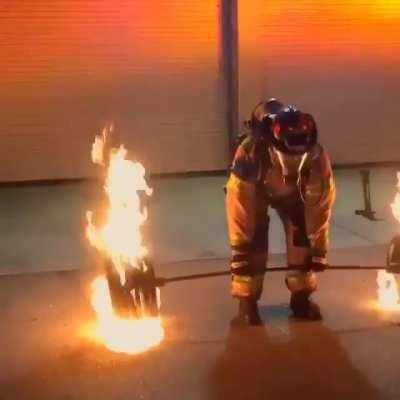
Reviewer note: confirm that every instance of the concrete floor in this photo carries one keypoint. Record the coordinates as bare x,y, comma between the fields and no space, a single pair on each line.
352,353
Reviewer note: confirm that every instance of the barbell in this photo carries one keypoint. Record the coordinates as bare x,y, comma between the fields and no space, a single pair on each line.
138,296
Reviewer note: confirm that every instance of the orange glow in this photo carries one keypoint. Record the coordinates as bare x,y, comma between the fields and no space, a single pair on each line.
81,39
121,335
341,31
109,40
386,8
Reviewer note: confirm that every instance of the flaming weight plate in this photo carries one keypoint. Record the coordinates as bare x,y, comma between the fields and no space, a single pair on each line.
140,284
121,299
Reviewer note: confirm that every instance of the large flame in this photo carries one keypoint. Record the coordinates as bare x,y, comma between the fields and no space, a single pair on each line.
388,291
121,240
120,236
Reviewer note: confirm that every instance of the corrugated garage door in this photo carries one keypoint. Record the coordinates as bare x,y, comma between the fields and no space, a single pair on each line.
339,59
69,66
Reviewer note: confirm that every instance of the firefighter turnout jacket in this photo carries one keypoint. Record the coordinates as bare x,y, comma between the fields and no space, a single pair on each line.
302,191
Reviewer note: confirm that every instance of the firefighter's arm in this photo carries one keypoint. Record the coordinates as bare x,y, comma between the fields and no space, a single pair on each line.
241,209
320,186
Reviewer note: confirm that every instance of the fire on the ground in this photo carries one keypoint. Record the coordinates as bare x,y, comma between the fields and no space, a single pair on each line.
120,238
388,294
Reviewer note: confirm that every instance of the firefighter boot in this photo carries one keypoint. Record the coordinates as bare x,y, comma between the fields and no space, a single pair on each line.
303,307
248,313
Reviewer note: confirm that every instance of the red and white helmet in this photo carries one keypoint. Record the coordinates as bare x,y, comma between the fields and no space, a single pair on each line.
262,116
293,131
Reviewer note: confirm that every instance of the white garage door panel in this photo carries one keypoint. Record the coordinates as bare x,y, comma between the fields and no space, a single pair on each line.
68,67
338,59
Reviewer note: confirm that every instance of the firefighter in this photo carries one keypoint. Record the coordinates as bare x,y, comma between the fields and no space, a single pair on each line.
281,165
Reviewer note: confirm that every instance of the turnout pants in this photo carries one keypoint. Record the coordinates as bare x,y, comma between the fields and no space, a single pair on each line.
248,264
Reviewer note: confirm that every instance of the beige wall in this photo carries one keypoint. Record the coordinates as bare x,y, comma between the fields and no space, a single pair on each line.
68,67
338,59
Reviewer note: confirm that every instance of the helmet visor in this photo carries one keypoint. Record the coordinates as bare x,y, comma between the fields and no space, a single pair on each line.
297,139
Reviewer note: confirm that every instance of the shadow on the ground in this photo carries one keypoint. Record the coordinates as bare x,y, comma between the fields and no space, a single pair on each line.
309,363
274,311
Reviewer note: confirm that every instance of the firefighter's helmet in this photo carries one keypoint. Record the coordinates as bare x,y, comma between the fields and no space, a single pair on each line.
293,131
262,116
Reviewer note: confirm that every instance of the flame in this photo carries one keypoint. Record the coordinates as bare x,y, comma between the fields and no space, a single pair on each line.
122,335
120,237
121,240
388,293
396,203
